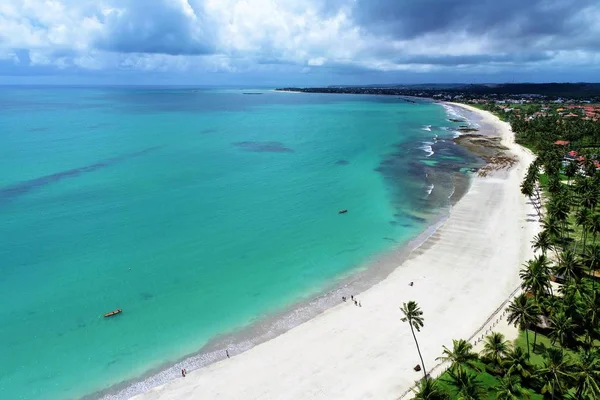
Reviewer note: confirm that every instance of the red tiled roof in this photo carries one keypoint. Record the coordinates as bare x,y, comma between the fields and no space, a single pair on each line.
573,153
562,142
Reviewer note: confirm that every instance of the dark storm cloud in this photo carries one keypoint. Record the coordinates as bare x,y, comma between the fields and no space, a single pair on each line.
508,20
159,27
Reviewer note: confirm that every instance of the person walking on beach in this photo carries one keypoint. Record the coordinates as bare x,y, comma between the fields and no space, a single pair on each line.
183,372
227,353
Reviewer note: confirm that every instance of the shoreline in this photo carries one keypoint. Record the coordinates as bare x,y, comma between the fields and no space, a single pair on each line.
243,339
366,352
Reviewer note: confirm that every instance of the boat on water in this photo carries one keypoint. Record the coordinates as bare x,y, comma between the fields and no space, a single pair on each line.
344,211
113,313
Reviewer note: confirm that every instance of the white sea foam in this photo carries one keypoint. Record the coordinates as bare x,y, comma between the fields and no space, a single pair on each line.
455,113
429,190
427,128
427,148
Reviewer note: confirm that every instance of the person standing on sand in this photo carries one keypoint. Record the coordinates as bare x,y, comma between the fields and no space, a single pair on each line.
183,372
227,353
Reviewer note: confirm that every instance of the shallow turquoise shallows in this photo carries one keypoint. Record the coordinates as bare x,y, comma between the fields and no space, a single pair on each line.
196,212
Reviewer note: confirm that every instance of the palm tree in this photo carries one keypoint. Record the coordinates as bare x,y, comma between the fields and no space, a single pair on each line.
568,266
572,297
561,328
467,385
428,389
535,276
586,372
591,258
517,363
522,312
591,314
571,171
461,355
595,226
495,348
555,373
542,242
583,218
554,231
414,316
510,388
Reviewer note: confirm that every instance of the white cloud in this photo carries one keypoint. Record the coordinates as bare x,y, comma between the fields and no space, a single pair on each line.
266,35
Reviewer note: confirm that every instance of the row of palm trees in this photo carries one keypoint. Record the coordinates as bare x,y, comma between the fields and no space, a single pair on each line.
569,367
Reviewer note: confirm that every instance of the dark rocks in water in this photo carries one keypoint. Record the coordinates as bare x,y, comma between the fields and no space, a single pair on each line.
146,296
21,188
342,162
466,129
264,147
251,93
485,147
207,131
456,120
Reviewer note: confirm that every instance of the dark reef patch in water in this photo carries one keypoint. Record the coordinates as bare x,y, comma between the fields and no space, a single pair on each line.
25,187
207,131
263,147
342,162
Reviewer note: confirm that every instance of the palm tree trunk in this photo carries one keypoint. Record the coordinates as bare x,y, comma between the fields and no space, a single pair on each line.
527,339
534,339
419,351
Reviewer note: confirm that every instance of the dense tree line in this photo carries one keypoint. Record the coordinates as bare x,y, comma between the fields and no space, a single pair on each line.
565,196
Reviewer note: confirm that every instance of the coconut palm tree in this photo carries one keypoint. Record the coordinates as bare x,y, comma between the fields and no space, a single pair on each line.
568,267
509,388
561,328
496,348
555,373
573,293
517,363
522,313
543,242
428,389
461,356
535,277
591,314
555,234
591,258
571,171
595,226
467,385
414,316
586,372
583,218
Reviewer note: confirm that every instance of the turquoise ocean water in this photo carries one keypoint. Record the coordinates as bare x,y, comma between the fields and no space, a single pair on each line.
195,211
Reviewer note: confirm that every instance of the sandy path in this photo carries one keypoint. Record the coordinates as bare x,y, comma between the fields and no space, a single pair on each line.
461,275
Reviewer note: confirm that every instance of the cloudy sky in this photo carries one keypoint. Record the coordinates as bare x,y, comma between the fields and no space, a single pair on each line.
298,42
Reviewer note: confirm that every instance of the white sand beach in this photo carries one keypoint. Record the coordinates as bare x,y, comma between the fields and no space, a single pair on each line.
461,275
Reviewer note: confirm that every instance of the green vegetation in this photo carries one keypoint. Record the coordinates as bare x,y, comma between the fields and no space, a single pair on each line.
557,355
